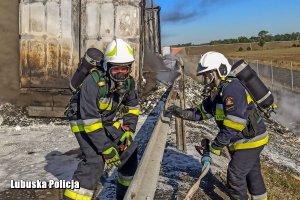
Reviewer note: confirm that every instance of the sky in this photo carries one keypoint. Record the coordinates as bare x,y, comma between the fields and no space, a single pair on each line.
201,21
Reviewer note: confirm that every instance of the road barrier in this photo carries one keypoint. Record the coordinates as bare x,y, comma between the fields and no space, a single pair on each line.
144,183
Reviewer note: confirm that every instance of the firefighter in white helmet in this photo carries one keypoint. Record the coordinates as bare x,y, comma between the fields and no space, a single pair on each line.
100,134
241,128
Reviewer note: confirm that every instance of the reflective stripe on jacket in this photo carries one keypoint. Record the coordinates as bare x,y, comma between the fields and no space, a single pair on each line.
230,107
97,112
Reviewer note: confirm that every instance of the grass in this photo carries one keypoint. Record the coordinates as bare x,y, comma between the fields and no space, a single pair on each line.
281,54
279,57
280,182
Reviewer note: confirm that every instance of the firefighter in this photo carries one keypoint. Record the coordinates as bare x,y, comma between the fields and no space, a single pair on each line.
100,135
241,128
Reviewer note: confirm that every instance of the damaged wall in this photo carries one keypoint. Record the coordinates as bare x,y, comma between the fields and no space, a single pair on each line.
152,29
102,20
39,56
49,43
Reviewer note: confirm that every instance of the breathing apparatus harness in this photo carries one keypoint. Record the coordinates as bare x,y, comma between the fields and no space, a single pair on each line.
72,109
254,114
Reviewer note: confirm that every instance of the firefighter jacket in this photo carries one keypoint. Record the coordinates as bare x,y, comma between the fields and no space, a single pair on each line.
97,113
240,125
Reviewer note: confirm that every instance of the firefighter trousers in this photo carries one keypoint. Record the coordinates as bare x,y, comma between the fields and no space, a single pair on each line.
90,169
244,174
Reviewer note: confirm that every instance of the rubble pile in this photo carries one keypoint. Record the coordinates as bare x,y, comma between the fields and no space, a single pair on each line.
275,126
148,102
12,115
193,91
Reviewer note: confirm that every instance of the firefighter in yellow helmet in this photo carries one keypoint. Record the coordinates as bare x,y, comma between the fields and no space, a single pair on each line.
101,136
241,128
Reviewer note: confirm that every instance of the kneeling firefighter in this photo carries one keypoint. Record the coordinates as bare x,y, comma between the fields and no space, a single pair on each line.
106,89
241,128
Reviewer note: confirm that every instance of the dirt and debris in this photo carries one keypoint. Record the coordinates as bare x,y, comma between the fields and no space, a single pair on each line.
148,102
12,115
42,194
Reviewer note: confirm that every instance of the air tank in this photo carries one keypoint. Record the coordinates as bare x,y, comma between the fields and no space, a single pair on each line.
254,85
91,59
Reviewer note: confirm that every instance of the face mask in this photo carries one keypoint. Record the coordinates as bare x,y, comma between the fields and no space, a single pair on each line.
120,77
208,78
119,73
209,83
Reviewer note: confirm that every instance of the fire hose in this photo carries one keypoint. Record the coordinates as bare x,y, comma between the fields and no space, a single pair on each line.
206,160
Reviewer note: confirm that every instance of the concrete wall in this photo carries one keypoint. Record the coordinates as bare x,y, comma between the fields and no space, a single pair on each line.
9,50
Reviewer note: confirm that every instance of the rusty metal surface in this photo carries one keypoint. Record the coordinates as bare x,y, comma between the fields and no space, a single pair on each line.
102,20
48,46
54,34
153,37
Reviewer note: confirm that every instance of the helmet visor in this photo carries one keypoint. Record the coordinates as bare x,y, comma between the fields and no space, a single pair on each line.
119,72
201,69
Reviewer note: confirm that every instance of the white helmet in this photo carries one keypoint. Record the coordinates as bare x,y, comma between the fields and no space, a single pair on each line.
118,52
214,61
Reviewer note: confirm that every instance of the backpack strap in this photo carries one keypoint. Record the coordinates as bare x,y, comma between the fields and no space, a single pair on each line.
224,83
129,84
100,79
103,86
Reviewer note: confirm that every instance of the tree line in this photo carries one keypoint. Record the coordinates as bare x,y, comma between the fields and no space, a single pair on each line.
261,38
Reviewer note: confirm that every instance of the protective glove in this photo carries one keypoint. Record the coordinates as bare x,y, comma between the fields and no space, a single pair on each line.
215,149
174,110
126,140
111,157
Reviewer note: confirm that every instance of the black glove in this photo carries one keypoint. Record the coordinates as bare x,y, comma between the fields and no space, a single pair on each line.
72,109
174,110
